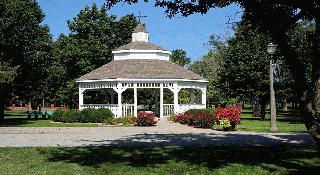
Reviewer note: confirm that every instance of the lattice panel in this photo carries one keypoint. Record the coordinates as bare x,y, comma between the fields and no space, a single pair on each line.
148,85
97,85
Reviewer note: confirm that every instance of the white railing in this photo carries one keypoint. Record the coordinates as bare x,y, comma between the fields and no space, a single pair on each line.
185,107
112,107
127,109
168,109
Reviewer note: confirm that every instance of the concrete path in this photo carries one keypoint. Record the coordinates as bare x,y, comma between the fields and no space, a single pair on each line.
164,134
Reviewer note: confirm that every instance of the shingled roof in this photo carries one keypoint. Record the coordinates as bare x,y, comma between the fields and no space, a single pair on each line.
140,69
140,46
140,28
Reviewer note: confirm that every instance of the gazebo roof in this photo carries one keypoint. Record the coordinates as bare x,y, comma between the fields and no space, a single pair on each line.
140,69
138,45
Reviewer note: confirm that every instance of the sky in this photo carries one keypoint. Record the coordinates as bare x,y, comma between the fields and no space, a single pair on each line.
188,33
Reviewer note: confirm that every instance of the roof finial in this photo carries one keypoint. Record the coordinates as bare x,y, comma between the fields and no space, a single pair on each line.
140,16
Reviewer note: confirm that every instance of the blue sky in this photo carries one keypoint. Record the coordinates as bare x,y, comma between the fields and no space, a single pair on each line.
188,33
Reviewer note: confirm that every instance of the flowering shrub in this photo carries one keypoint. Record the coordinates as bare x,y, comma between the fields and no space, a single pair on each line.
203,120
231,114
184,119
196,119
145,119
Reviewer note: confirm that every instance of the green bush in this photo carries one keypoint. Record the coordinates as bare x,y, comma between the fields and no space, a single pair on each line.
57,115
128,120
87,115
208,110
172,117
103,115
71,116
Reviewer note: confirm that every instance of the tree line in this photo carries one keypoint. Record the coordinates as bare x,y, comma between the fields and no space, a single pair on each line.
33,66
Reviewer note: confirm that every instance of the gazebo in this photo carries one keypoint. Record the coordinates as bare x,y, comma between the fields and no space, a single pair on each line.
142,65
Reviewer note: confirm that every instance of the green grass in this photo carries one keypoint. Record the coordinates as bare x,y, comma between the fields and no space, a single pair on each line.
19,119
286,122
165,160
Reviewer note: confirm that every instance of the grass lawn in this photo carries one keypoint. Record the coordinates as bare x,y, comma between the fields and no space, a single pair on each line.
165,160
19,119
286,122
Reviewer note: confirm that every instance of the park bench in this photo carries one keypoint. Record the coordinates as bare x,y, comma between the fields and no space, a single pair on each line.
49,114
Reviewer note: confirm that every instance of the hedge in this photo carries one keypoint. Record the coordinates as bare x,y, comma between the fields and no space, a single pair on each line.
89,115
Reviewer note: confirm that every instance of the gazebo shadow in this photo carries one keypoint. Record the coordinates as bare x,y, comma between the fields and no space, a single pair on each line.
151,150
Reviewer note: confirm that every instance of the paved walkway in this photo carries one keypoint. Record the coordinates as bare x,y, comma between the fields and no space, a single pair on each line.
164,134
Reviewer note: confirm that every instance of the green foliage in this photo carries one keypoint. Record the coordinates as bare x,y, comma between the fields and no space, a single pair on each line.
179,57
127,120
25,47
172,117
94,34
103,115
211,111
208,67
58,116
87,115
71,116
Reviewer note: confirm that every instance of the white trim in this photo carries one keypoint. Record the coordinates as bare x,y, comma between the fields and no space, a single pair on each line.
143,51
142,80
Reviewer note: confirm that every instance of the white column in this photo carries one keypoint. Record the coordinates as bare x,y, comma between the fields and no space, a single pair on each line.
161,100
176,98
204,96
192,96
119,91
81,91
156,105
135,94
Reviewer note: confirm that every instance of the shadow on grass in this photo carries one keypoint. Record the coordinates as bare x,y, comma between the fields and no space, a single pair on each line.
12,122
294,159
18,118
290,116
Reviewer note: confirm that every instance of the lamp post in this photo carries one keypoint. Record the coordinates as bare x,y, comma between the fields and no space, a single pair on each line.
271,48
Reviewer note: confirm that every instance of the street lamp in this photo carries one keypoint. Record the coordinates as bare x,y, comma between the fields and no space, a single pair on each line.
271,49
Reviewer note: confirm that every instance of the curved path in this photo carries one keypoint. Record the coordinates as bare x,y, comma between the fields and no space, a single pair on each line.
164,134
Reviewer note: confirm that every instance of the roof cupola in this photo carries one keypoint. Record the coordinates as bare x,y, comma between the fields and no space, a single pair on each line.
140,34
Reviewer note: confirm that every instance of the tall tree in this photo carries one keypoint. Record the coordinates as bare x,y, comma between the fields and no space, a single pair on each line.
277,18
94,34
179,57
21,40
208,67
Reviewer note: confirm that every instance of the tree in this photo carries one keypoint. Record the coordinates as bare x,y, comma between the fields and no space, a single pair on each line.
208,67
94,34
277,18
21,42
179,57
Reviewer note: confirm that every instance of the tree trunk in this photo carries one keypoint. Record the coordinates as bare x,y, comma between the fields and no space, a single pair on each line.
263,109
256,107
29,105
285,106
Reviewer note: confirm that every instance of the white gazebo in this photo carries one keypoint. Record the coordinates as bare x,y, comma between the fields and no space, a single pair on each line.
142,65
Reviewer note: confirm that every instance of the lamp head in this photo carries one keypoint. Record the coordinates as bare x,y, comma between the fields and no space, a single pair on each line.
271,48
